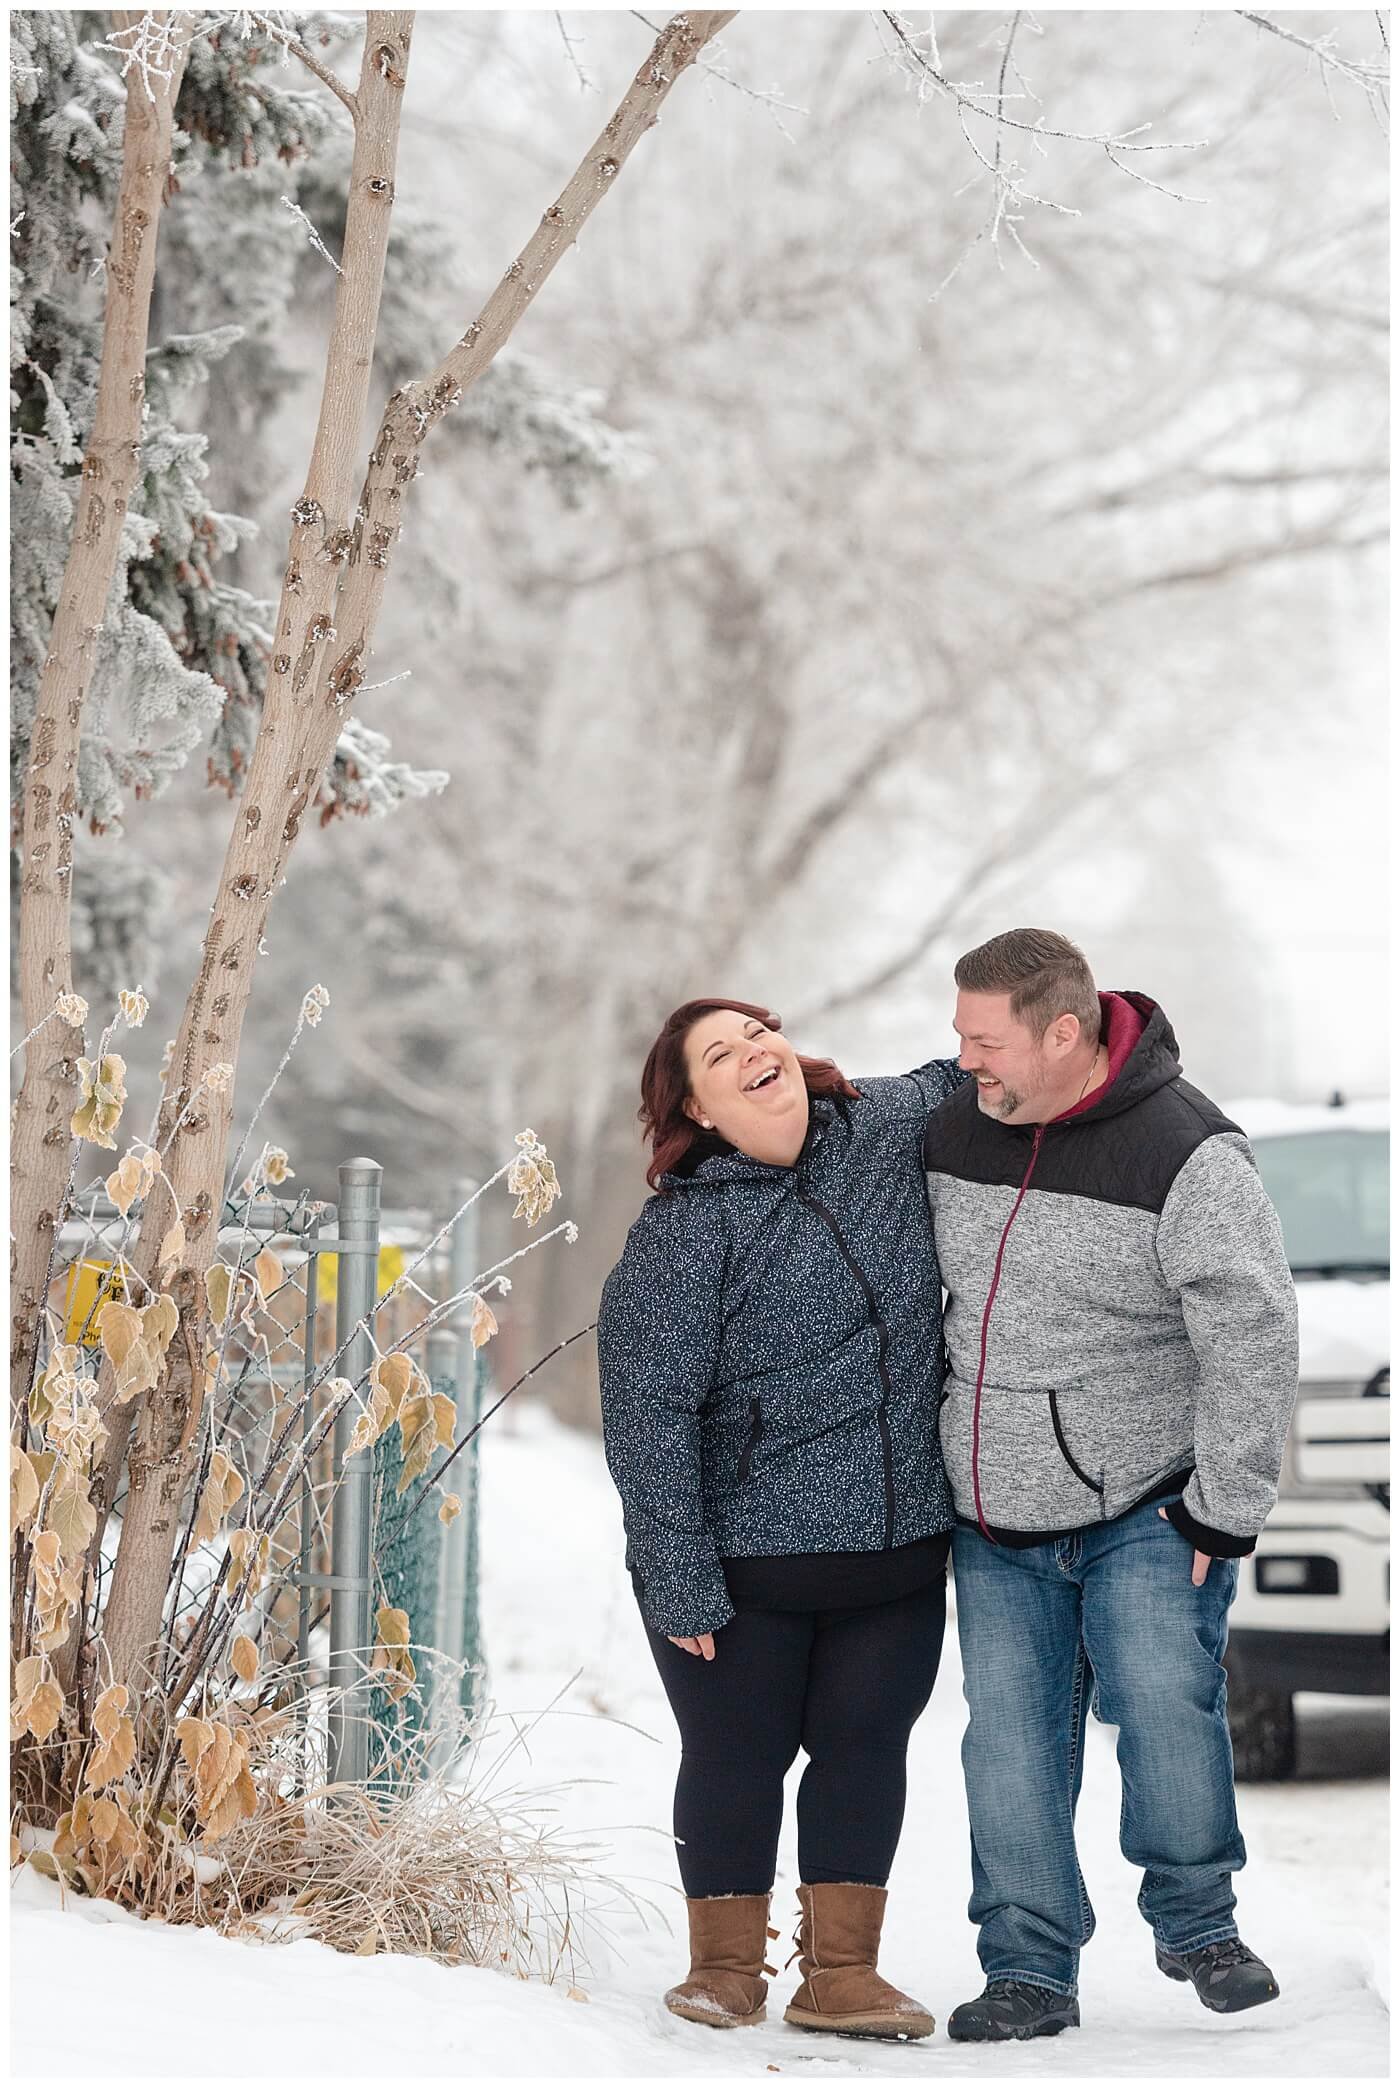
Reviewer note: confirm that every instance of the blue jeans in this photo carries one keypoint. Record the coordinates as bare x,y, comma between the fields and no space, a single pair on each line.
1110,1608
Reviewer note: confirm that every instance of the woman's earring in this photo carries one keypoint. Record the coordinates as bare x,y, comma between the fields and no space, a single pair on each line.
706,1122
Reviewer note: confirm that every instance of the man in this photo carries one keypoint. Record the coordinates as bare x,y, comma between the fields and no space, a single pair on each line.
1122,1349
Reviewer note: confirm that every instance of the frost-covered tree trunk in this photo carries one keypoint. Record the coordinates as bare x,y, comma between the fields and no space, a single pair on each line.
325,630
193,1121
42,1145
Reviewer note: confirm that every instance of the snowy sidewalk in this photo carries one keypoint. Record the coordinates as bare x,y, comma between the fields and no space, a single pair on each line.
180,2003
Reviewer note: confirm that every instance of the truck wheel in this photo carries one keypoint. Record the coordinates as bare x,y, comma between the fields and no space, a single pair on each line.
1263,1733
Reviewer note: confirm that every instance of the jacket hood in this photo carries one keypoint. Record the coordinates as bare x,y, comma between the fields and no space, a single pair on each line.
1143,1056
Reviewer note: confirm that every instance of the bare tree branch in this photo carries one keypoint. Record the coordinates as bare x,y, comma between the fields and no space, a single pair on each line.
926,69
1191,481
313,64
1295,301
586,85
1372,78
770,97
849,795
1001,85
1025,835
436,1104
616,568
312,234
1309,546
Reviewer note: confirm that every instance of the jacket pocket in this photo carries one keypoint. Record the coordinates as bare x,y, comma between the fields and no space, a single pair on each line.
1094,1485
750,1440
1040,1462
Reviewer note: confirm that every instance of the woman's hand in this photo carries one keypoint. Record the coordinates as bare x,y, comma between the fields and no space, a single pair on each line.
704,1646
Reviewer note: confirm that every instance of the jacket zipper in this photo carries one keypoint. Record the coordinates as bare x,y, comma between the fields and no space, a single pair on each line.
986,1326
882,1353
751,1441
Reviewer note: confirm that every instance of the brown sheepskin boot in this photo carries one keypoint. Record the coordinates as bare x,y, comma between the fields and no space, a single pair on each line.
838,1943
728,1942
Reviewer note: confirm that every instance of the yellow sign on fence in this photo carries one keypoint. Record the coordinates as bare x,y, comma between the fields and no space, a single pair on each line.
392,1263
88,1284
91,1283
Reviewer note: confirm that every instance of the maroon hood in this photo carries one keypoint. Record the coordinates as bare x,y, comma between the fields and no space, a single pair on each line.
1142,1055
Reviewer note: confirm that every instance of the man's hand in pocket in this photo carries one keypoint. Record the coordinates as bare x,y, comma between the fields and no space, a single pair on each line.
1200,1561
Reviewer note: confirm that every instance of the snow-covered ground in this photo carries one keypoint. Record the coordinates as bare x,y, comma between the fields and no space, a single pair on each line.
100,1994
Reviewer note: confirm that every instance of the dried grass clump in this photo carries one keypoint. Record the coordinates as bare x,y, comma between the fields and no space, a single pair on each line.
440,1872
425,1864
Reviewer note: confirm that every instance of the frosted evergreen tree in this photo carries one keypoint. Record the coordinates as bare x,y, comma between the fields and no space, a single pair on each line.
185,646
184,650
181,648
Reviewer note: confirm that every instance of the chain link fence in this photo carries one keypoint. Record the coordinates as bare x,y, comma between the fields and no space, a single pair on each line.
316,1294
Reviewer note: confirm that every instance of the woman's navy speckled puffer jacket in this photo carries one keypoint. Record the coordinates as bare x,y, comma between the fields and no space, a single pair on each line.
770,1351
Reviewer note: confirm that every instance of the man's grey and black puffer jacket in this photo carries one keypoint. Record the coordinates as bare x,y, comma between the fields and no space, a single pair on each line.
1121,1321
770,1356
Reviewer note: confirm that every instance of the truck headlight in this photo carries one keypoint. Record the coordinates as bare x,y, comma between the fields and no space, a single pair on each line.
1278,1574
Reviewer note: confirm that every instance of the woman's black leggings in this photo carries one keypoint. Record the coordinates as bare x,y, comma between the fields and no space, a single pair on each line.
844,1685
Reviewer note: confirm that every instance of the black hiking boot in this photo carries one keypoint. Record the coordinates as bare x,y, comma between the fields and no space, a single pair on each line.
1013,2008
1227,1975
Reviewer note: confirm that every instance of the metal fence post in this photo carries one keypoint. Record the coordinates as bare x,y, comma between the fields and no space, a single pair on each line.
454,1588
356,1289
306,1524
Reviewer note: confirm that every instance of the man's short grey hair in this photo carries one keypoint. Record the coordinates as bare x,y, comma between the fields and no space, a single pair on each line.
1045,974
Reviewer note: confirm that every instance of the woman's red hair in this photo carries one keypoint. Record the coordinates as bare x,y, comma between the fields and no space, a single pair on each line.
666,1086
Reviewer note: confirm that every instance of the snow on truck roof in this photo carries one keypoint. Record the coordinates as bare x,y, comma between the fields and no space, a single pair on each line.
1262,1117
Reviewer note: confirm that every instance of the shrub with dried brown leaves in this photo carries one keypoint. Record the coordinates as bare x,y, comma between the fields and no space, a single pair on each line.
442,1865
201,1796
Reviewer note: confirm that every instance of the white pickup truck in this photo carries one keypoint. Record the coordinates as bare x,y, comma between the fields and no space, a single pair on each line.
1313,1609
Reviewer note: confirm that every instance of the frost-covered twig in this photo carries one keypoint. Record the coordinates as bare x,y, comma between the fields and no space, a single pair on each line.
313,1007
971,101
1371,76
206,1639
290,42
530,1151
369,688
717,66
70,1006
489,1279
925,66
432,1478
536,1185
586,85
1014,25
312,234
232,1407
153,44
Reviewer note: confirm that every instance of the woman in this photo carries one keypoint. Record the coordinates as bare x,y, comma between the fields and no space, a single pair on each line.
771,1358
